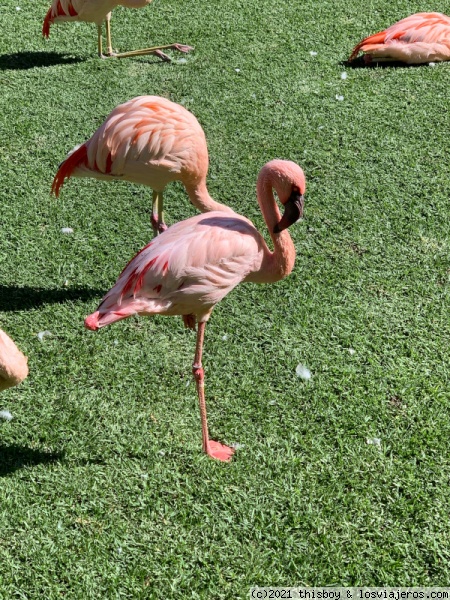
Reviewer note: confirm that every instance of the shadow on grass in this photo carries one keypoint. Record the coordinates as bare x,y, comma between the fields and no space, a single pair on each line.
29,60
359,63
15,457
23,298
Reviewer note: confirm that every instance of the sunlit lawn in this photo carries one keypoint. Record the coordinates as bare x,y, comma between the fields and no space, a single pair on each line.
104,491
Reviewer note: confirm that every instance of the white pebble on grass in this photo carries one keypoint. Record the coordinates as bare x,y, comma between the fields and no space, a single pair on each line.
237,70
67,230
18,8
351,351
272,402
339,98
432,64
225,337
42,334
182,61
343,75
303,372
313,53
374,441
5,415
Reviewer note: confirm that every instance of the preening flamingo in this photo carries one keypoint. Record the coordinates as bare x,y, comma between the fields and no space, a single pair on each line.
148,140
97,11
13,364
197,262
420,38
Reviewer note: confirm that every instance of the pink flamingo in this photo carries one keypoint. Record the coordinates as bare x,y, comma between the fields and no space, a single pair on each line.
13,364
148,140
197,262
420,38
97,11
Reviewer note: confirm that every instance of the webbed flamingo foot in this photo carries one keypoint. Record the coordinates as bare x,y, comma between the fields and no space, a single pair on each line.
219,451
157,50
157,225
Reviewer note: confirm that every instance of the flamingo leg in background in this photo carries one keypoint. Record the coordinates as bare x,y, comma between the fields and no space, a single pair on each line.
109,51
99,41
156,50
158,214
108,35
213,449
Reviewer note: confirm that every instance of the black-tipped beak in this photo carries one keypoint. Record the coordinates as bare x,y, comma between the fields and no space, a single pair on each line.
293,211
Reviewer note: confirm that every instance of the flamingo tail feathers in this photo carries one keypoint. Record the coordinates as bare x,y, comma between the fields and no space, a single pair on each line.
67,167
47,22
99,319
376,38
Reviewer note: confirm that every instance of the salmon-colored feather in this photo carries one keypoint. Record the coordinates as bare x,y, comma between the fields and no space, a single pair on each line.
420,38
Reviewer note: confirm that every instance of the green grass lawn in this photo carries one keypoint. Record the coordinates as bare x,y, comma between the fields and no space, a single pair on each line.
104,491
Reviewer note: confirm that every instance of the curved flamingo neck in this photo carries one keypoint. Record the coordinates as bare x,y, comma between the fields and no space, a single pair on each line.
200,198
279,263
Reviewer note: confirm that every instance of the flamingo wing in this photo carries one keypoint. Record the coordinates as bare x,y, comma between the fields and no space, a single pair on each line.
144,133
186,270
421,37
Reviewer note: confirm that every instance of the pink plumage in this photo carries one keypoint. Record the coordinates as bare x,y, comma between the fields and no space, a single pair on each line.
420,38
13,364
197,262
151,141
97,11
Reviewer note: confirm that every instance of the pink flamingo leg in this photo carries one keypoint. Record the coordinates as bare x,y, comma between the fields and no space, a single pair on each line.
214,449
157,218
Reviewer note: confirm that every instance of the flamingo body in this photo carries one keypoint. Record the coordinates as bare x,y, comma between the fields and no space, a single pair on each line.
420,38
13,364
90,11
187,270
197,262
148,140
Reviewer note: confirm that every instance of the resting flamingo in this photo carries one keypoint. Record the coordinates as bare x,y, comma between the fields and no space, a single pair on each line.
420,38
13,364
97,11
197,262
148,140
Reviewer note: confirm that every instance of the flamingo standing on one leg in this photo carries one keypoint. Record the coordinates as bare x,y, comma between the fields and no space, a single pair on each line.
420,38
197,262
13,364
148,140
97,11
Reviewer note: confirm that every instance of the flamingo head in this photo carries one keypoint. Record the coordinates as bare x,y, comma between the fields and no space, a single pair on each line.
288,180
